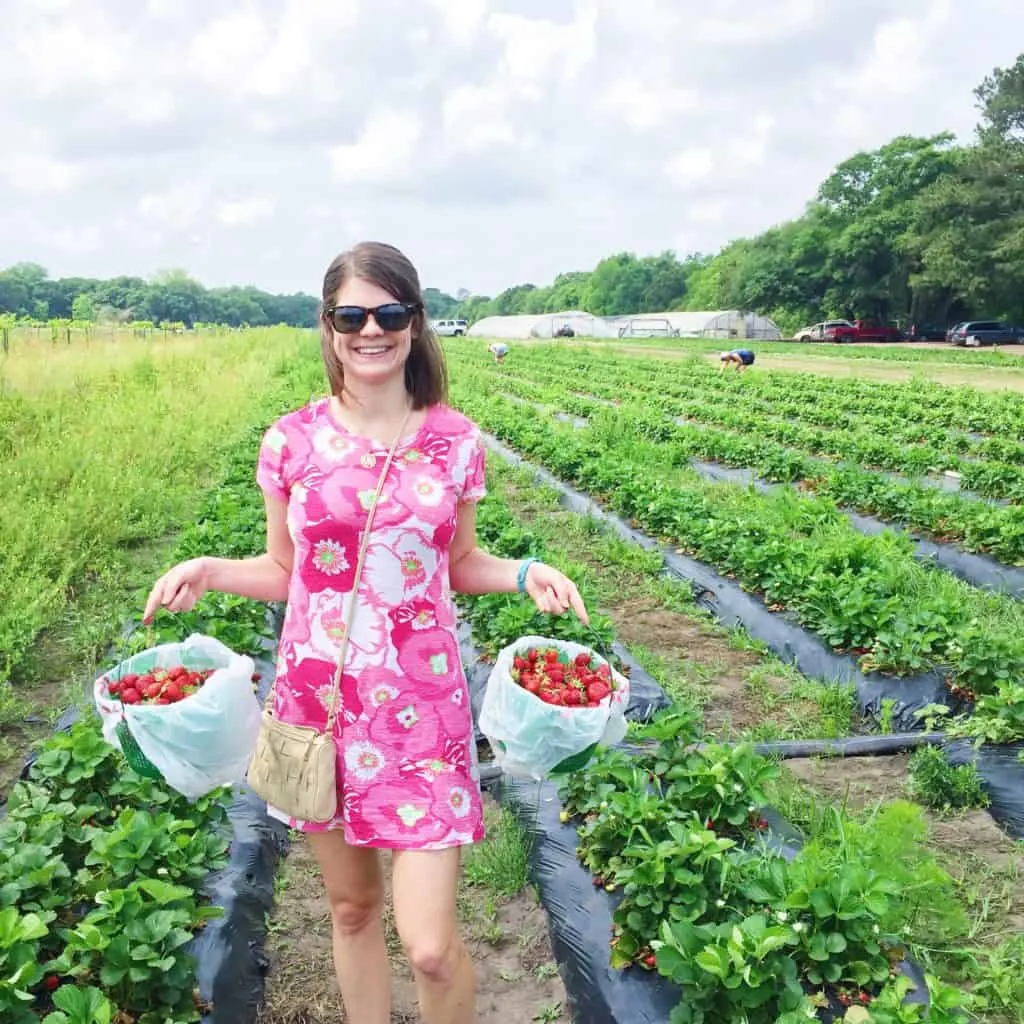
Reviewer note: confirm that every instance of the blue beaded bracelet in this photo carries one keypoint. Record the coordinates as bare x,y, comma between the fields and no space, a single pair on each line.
524,568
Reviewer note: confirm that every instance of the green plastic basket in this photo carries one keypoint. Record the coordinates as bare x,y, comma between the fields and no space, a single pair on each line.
137,760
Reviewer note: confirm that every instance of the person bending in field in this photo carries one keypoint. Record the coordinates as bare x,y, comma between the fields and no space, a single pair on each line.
739,359
498,350
405,751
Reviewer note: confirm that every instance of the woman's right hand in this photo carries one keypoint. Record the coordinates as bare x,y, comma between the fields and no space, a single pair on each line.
179,589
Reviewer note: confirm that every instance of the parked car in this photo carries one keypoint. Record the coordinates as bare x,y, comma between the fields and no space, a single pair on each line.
450,328
827,330
983,332
927,332
870,329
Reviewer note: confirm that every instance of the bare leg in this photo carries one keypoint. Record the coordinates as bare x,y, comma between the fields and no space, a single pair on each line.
355,895
425,884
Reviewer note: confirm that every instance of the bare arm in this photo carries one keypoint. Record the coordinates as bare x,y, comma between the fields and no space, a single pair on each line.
262,578
474,571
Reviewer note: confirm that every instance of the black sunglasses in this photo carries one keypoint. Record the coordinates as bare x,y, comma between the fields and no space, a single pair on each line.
392,316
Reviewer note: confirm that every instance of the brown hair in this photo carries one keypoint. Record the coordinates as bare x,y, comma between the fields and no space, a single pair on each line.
426,376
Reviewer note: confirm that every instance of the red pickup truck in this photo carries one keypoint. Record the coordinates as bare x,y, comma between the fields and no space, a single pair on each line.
869,329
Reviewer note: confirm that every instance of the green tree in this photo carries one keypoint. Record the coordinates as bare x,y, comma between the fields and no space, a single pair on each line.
83,308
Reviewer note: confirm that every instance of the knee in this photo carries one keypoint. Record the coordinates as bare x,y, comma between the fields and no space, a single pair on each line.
352,916
434,957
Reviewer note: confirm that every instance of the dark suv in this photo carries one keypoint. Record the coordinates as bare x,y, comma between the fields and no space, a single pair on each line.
983,332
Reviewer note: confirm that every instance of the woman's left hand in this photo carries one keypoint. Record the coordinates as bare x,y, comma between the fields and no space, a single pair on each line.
553,592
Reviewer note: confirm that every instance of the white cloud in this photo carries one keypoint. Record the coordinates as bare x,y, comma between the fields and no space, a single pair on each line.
244,211
37,173
644,104
461,20
499,142
690,166
476,117
177,209
384,151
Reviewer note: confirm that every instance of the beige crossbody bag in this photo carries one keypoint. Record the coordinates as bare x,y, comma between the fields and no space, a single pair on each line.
294,767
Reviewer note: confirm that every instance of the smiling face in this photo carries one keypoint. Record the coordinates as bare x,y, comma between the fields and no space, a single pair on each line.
372,356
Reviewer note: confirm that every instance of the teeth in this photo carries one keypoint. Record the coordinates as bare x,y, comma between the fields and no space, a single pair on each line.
372,351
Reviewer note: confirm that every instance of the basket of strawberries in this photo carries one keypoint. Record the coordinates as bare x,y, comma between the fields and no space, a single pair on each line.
549,704
185,713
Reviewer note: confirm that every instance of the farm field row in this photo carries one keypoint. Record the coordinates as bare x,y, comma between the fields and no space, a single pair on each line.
990,465
920,353
864,595
792,394
730,423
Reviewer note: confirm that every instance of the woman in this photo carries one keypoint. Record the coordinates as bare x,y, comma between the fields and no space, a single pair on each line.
499,350
404,738
739,358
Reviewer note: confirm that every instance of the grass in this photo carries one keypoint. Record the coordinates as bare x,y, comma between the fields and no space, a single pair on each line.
106,451
501,862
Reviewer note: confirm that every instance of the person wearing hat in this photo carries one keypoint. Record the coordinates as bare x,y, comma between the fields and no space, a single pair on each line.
739,358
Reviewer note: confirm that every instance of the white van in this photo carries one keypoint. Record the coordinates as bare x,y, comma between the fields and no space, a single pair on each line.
450,328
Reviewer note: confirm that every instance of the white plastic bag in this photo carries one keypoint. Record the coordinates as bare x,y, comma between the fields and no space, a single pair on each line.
202,742
529,737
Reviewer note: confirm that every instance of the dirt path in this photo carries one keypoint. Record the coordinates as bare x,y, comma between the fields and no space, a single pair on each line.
507,936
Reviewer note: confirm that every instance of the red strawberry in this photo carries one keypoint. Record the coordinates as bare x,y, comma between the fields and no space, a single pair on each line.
129,695
551,656
114,687
598,691
154,690
51,982
162,701
649,960
173,692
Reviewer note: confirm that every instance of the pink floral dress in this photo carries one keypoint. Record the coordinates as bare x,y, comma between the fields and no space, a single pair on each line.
406,761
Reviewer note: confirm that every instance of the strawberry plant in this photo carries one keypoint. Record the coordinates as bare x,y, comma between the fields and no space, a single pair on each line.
837,912
22,963
80,1006
133,942
732,971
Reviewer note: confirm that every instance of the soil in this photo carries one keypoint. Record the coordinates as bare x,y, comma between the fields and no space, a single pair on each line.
856,781
17,738
506,937
702,655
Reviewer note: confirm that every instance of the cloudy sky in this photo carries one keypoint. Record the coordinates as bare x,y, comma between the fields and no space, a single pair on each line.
496,141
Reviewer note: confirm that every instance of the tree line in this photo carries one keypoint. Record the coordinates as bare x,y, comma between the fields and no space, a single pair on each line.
28,292
920,230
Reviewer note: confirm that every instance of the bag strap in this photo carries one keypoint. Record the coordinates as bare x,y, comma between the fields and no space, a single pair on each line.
332,713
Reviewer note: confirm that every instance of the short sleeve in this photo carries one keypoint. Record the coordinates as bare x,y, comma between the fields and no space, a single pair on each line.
474,485
271,466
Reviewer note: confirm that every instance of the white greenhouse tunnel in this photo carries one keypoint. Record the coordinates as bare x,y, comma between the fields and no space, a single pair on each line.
728,324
